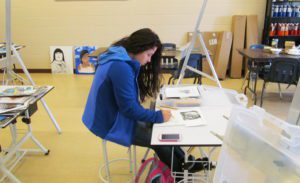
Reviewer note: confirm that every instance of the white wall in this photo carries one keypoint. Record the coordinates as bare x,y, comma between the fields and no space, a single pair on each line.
41,23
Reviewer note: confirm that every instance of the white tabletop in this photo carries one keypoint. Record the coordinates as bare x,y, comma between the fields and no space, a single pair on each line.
215,105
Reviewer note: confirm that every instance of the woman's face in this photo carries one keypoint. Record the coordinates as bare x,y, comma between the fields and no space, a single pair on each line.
58,56
145,57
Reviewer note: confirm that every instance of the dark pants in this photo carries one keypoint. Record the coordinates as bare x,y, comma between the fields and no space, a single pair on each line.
142,137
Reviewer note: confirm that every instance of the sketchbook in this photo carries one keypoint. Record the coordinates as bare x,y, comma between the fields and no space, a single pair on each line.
182,92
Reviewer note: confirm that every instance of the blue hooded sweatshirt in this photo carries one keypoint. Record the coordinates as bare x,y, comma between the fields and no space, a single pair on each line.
113,106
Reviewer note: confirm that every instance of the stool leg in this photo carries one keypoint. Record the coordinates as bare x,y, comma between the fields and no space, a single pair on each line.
130,159
145,156
106,160
134,161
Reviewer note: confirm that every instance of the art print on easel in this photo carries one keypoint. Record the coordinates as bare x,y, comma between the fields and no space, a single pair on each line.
61,59
83,63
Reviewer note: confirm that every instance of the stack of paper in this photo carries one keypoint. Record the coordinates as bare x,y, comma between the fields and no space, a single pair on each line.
186,102
13,98
182,92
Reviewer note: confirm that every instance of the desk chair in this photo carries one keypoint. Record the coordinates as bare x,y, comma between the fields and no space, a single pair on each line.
194,61
281,71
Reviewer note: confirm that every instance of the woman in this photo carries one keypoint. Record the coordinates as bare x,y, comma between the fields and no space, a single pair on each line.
127,74
58,64
85,66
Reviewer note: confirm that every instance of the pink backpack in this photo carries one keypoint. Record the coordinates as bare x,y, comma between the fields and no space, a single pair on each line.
158,172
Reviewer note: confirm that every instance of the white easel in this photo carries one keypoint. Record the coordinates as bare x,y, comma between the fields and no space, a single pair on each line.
294,112
190,48
10,74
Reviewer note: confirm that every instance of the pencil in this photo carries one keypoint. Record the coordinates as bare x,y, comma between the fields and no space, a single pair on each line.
167,107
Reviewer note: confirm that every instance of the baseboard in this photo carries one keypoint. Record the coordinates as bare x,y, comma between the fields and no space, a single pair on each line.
34,70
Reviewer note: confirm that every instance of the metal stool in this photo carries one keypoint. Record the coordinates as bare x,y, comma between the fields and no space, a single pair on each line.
132,162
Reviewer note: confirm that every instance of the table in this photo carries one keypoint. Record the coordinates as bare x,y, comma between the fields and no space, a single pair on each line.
257,57
215,104
14,153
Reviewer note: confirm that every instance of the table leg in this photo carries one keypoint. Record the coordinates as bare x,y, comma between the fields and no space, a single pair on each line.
253,74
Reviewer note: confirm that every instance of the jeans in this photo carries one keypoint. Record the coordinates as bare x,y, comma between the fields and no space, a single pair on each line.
142,137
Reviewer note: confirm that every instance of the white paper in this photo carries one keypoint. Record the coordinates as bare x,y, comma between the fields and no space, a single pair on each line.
185,117
190,117
61,59
182,92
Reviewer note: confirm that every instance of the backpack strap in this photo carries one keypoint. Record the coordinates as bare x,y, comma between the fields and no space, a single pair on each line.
142,168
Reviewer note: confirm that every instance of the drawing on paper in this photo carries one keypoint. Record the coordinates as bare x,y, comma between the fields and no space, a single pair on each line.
83,63
61,59
190,115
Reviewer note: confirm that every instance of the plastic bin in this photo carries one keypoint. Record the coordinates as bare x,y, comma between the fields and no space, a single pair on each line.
259,148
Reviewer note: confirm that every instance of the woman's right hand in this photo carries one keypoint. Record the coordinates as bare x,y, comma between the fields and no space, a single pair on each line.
166,115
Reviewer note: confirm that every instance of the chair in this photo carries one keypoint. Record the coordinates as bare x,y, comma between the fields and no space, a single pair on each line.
194,61
281,71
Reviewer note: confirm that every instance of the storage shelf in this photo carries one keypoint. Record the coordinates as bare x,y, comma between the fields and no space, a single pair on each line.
269,19
287,37
285,2
286,18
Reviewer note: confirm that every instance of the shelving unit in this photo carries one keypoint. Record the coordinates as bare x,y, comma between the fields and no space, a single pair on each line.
269,19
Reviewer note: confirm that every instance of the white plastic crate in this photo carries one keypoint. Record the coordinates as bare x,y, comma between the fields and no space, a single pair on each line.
259,148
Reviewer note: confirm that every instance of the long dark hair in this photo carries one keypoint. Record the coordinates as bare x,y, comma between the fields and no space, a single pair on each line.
149,76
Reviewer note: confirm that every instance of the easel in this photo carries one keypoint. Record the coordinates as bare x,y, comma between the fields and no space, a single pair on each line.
185,66
190,48
11,75
294,111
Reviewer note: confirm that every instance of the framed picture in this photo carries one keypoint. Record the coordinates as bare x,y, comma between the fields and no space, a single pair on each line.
83,63
61,59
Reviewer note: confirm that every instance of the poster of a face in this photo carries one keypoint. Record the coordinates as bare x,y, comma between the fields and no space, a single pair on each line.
61,59
83,63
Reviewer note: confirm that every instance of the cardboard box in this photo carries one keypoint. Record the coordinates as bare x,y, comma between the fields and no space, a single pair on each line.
221,59
239,32
211,41
251,33
252,30
219,46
